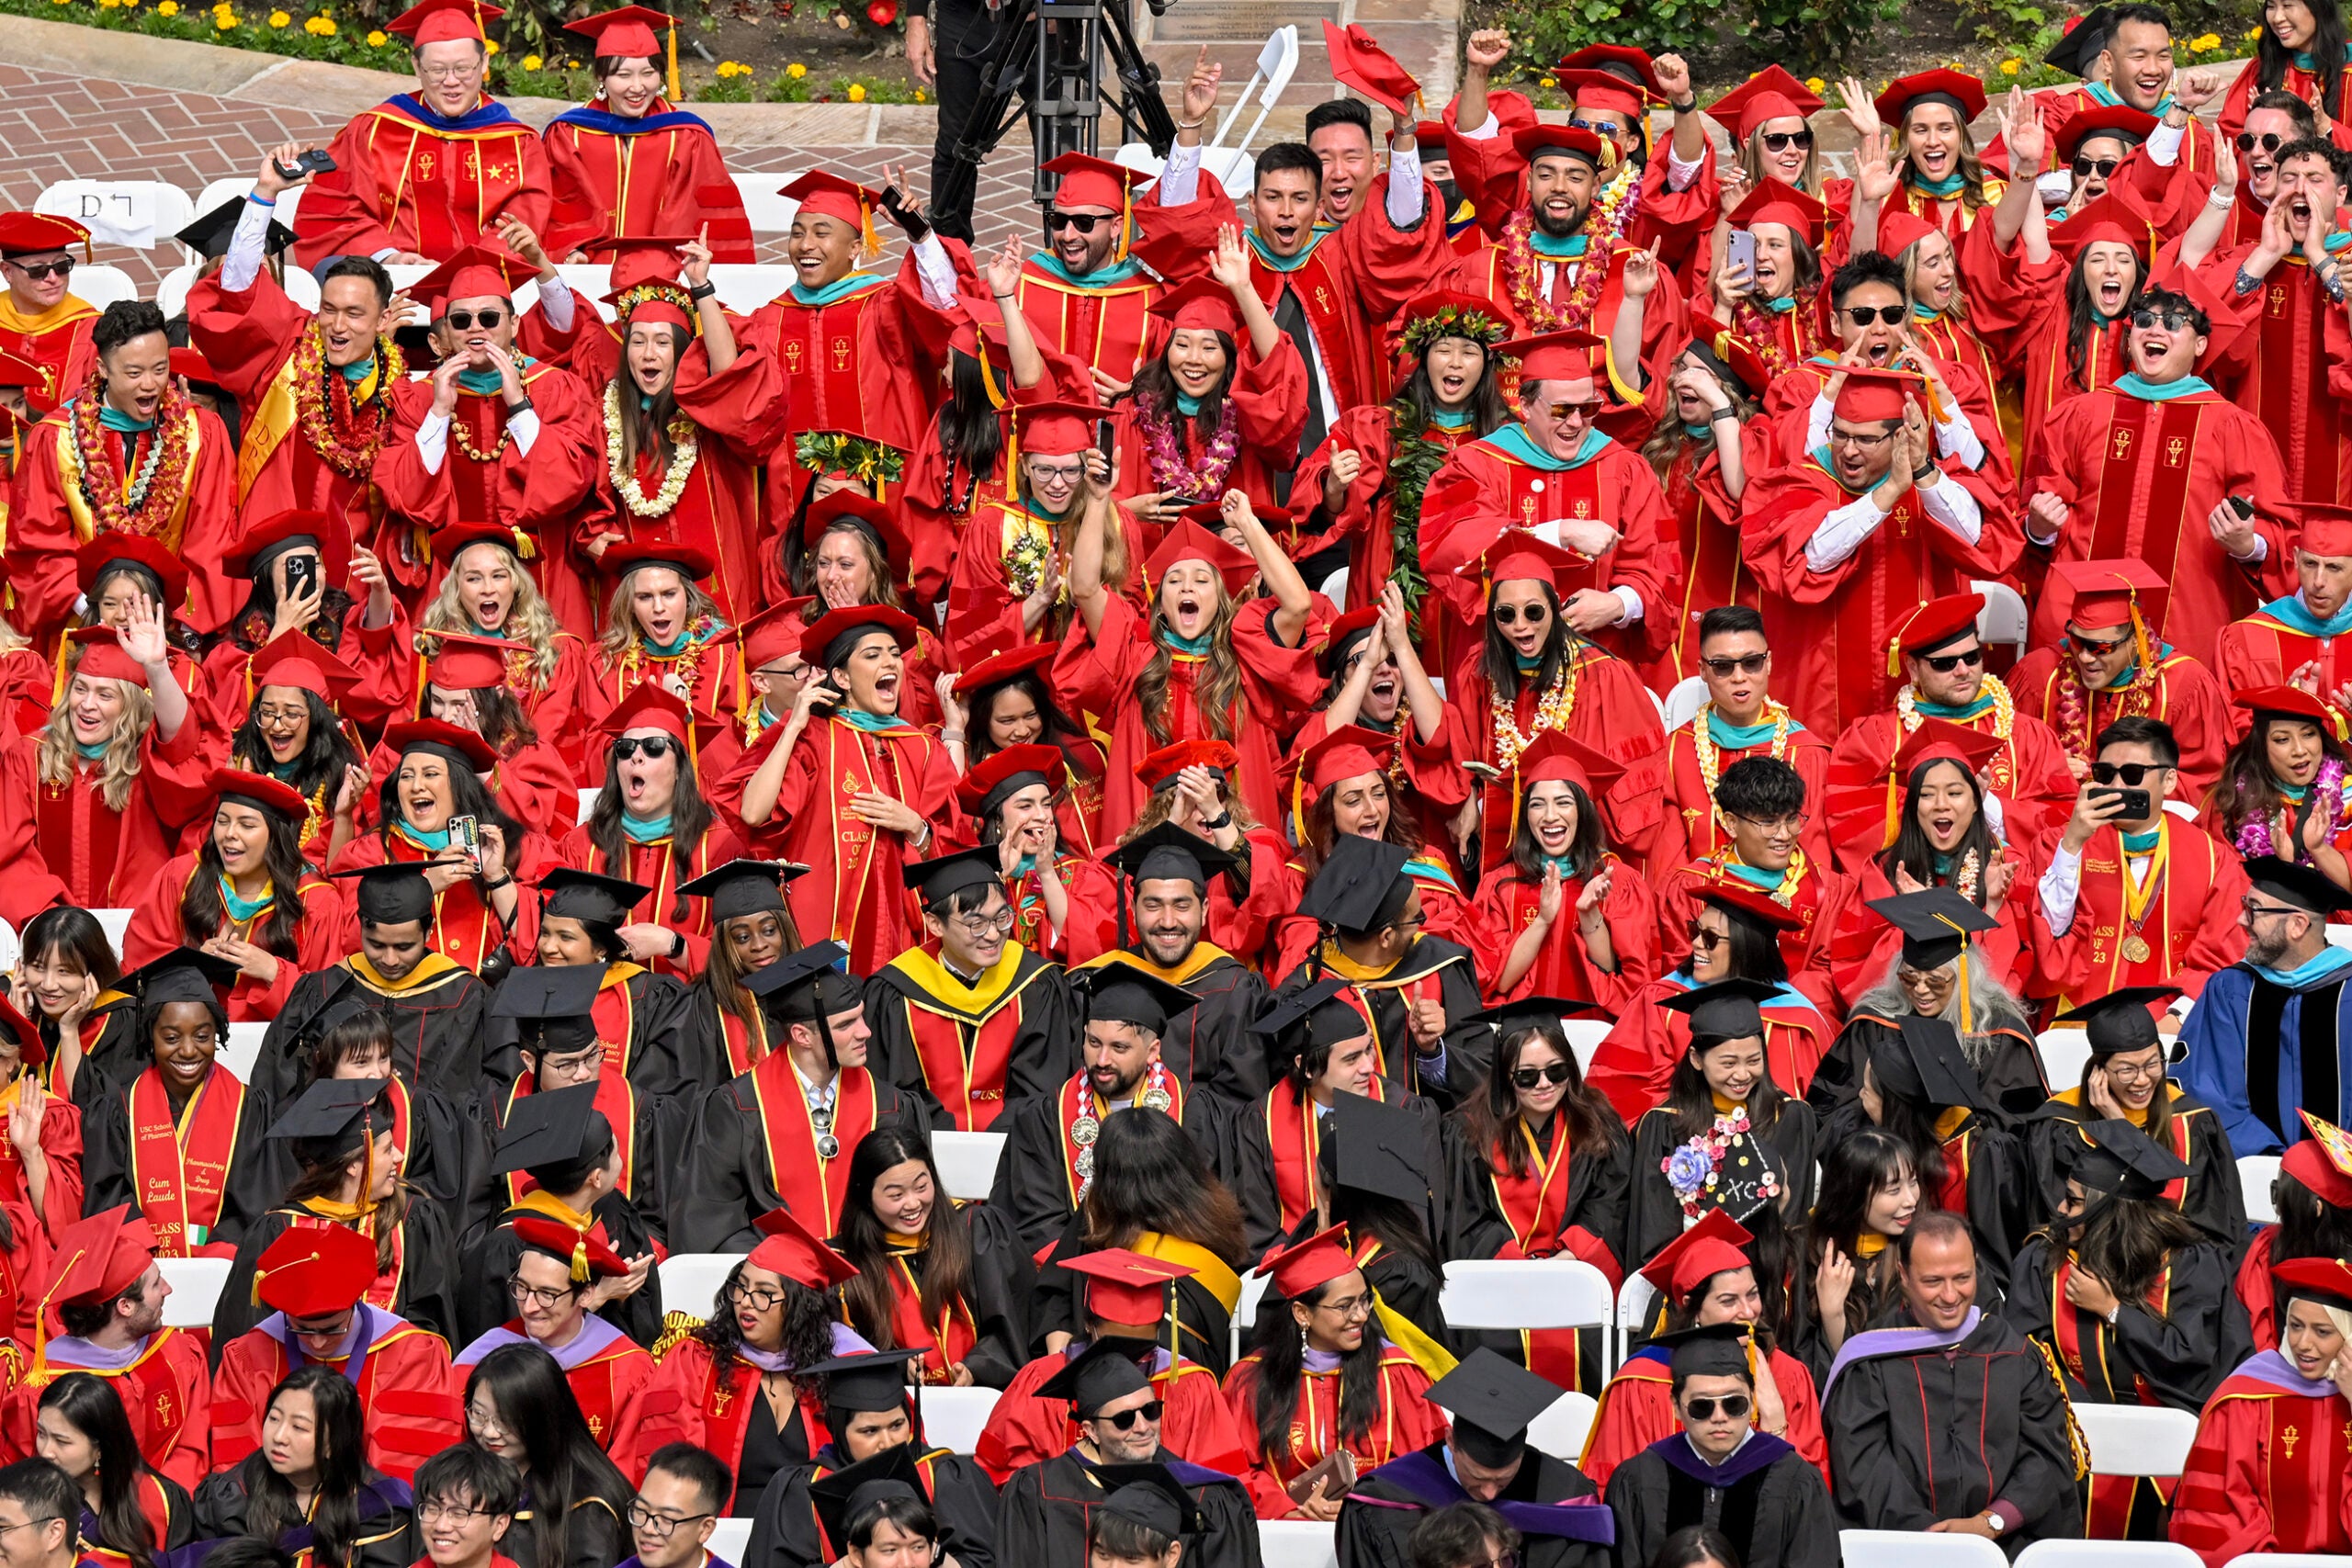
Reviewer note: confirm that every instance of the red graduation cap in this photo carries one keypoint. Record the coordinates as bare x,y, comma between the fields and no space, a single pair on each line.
18,371
1520,556
1754,903
2328,1277
2126,591
314,1270
1200,302
1348,752
103,550
645,273
821,194
1877,394
1429,136
628,33
1358,61
652,705
261,789
1336,635
1050,430
1936,623
296,659
775,631
1126,1288
2103,120
1941,740
1770,93
1548,138
2290,702
1000,767
589,1258
1708,1248
1570,355
1733,349
26,1032
476,272
1773,201
2321,1160
1621,61
1900,228
1089,180
468,662
98,1257
191,364
332,534
425,734
24,233
1319,1259
685,560
103,656
789,1249
2110,218
1963,92
1608,92
440,21
1189,541
1004,665
1555,755
1158,769
820,635
2324,530
877,517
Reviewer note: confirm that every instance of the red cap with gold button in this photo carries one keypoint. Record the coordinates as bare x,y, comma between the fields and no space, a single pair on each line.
1158,770
1770,93
314,1272
1318,1261
790,1248
1124,1287
1708,1248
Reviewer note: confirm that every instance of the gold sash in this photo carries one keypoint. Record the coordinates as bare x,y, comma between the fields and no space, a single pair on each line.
1207,1267
69,473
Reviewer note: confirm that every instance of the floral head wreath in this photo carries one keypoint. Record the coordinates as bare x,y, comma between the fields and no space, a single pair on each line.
654,293
1451,321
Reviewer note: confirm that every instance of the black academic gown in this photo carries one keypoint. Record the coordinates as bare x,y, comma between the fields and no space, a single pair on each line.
1654,1213
105,1163
1036,1177
1043,1511
1203,1318
726,1179
598,1536
491,1249
1943,1434
2010,1081
1766,1499
1374,1534
996,1289
660,1128
428,1264
180,1521
387,1536
2210,1196
1988,1179
440,1153
1042,1054
702,1037
786,1533
436,1017
1469,1045
656,1051
1254,1183
1209,1045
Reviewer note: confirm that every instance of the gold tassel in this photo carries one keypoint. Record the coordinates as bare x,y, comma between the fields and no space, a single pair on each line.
580,1261
2140,639
987,376
673,83
868,240
1895,656
1127,219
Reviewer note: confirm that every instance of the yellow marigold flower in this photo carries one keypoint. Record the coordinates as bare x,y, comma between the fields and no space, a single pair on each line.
375,39
224,24
531,62
326,26
920,96
2008,67
796,71
1814,84
857,92
2254,32
2206,42
1549,82
168,9
490,45
280,19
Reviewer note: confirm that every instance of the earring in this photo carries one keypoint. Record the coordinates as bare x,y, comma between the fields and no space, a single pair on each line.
1302,1342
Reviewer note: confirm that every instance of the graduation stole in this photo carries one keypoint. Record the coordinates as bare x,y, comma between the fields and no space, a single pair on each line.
592,1385
853,841
822,342
788,1135
1029,904
1315,1432
45,340
179,1166
1536,1205
2066,1330
1081,1113
1959,1141
154,1507
615,1012
964,1034
746,1038
616,1098
943,1343
1295,1134
70,477
321,1214
2138,432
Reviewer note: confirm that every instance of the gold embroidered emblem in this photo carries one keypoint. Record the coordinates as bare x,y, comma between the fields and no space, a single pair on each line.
2122,445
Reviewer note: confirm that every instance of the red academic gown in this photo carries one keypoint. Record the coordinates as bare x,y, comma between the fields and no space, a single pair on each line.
561,702
1003,547
1790,400
465,929
1706,537
2285,364
656,176
379,655
710,667
2020,308
95,857
1864,799
1637,1409
2267,648
1690,827
2181,690
714,1409
1103,326
1507,901
1266,401
58,341
2270,1472
628,1411
658,865
405,179
530,782
325,933
1367,519
1823,900
2183,911
1402,1420
1635,1061
1870,945
1195,1423
165,1390
405,1405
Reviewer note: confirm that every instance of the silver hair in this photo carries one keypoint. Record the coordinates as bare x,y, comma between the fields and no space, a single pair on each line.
1990,1006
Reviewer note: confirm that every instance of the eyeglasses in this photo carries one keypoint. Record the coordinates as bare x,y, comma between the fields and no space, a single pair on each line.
1782,140
1536,614
980,925
2096,647
458,73
662,1525
28,1524
2173,321
2132,1072
1083,222
1856,438
1598,126
655,747
760,1296
2086,168
483,1423
2132,773
546,1296
1124,1421
1575,410
456,1513
1945,664
1795,822
1863,315
1528,1078
1701,1408
1352,1306
463,321
2255,910
2271,141
1749,664
61,267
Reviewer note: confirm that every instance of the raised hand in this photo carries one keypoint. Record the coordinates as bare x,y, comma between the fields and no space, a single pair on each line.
1004,268
1673,74
1854,103
2021,125
269,184
517,236
1488,48
2192,90
1637,273
1230,263
1733,184
141,633
1199,88
1874,176
694,259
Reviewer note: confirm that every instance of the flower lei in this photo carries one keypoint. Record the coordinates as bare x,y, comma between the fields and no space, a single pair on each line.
1551,713
1611,211
1969,877
322,401
1761,336
1694,1168
156,491
2074,713
1172,471
699,631
1709,756
2254,838
1025,560
832,452
464,436
673,481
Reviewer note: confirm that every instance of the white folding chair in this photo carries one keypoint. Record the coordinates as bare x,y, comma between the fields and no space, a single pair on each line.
102,286
952,1418
11,948
2256,1173
1298,1543
171,290
588,802
1245,1310
2004,618
769,213
1683,703
690,1280
2181,809
235,188
1585,1035
2339,936
2064,1054
2283,1560
135,214
197,1285
1659,704
299,285
1334,588
728,1536
1562,1430
2136,1439
1535,1292
243,1050
1916,1549
1634,1299
114,922
967,1162
2110,1553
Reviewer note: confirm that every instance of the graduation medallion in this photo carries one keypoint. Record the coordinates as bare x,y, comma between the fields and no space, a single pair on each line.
2135,949
1084,1164
1155,1099
1084,1132
828,1145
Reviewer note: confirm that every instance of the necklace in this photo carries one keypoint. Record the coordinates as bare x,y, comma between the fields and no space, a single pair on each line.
1522,271
322,398
1172,468
147,504
464,436
1709,756
2005,714
1551,713
673,479
2075,708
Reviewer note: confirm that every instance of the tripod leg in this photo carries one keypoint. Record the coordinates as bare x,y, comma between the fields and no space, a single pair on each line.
1141,107
1003,75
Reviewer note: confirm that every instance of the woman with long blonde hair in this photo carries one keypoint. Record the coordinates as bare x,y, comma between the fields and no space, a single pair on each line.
855,544
660,625
488,591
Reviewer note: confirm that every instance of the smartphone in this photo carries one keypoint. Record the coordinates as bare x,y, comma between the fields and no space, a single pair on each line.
465,833
301,572
1741,252
2136,802
2242,505
894,202
317,160
1102,436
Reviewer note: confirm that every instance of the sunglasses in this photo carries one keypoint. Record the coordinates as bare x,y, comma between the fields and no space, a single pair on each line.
2133,774
1083,222
1863,315
1126,1419
1782,140
1701,938
58,268
2271,141
1598,126
1507,614
655,747
464,319
1700,1408
1752,664
2099,647
1580,411
1528,1078
1945,664
2102,167
2172,320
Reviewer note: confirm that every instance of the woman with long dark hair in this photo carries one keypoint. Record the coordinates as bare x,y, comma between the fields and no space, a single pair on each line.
2302,49
1065,904
1374,680
113,573
1545,1169
520,1408
1006,700
1323,1378
1870,1189
1774,308
727,1032
934,1275
743,1391
309,1488
292,732
466,685
64,962
1727,1136
2283,785
247,895
2313,1193
297,563
857,553
1695,450
2131,1300
132,1513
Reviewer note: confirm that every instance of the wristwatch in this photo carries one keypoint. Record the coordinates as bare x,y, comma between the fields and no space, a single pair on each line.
1993,1523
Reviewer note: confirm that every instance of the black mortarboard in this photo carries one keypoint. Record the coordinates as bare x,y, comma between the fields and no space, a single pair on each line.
743,887
1103,1372
586,896
549,1128
1380,1148
1710,1350
938,880
2124,1161
183,975
1936,924
1362,887
331,1110
803,987
391,894
875,1379
1531,1012
1151,1495
208,236
1169,851
838,1496
1922,1062
553,1007
2119,1021
2305,888
1312,1017
1728,1009
1121,990
1492,1400
2081,43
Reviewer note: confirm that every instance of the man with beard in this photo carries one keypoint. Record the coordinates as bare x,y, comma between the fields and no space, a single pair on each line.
1049,1154
2298,638
2162,467
1043,1510
1485,1458
2269,1034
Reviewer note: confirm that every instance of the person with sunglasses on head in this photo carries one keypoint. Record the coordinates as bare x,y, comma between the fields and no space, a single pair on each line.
41,323
1942,659
466,689
2281,790
1730,651
1699,452
487,591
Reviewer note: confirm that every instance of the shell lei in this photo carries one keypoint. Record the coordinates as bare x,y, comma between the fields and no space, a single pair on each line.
1174,472
2254,838
673,479
1611,211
